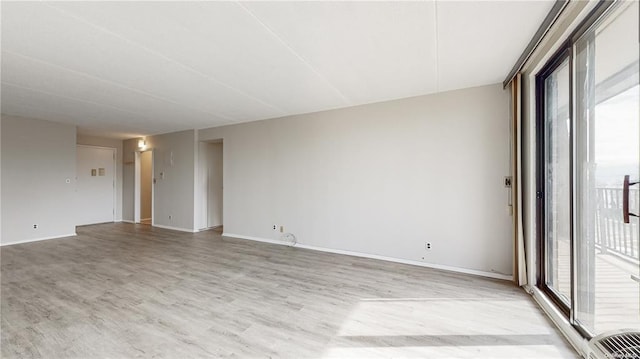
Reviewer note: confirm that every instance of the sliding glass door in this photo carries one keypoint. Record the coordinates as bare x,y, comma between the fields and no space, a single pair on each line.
608,143
588,162
555,127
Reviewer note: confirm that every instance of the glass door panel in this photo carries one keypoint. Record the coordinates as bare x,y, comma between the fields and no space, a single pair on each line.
557,182
607,149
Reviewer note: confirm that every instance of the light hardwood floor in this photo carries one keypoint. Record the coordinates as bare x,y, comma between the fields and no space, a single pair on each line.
124,291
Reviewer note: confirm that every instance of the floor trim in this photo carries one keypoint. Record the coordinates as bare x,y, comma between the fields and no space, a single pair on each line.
180,229
38,239
375,256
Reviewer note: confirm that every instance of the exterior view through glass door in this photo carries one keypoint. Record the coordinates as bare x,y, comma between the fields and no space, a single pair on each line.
588,143
608,143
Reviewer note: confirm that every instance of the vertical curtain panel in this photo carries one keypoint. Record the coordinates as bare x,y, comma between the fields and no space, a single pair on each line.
520,263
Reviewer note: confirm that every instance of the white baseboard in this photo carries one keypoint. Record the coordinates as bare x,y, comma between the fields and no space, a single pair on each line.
375,256
128,221
174,228
257,239
38,239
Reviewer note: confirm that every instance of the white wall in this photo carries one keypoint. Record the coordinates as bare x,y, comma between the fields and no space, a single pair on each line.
379,179
112,143
175,156
38,157
0,180
95,195
209,200
146,179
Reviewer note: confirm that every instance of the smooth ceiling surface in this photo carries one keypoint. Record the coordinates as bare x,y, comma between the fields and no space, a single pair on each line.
123,69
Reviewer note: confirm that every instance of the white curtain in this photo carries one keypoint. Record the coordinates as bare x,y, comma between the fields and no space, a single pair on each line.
520,263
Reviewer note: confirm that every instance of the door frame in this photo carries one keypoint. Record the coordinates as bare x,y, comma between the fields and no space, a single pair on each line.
565,53
136,187
204,194
114,179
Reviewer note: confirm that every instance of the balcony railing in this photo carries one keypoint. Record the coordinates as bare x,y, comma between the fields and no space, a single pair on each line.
612,234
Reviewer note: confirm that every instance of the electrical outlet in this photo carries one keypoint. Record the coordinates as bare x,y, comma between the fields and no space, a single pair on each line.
35,226
427,246
275,227
281,229
170,217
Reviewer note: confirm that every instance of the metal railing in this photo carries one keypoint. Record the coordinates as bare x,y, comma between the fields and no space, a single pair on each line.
612,234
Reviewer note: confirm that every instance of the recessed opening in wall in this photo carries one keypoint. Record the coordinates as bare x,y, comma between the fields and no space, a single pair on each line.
144,182
209,184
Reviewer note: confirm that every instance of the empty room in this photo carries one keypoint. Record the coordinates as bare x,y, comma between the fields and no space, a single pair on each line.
433,179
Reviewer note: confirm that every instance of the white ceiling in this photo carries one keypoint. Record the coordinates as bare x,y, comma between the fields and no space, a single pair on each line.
123,69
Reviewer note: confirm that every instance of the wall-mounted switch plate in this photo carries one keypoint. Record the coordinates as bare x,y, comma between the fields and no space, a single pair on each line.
507,181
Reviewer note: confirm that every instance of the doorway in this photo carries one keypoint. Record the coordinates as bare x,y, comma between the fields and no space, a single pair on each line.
95,184
587,163
210,184
144,187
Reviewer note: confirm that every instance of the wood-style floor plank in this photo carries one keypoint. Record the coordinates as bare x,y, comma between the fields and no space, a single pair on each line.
134,291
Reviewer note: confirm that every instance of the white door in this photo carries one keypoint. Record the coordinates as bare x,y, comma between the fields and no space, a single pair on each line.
95,188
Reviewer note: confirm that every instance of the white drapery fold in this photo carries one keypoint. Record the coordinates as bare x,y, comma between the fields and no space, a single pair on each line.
520,262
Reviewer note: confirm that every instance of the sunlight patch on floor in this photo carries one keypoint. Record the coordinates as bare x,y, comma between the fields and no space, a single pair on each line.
469,316
447,328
